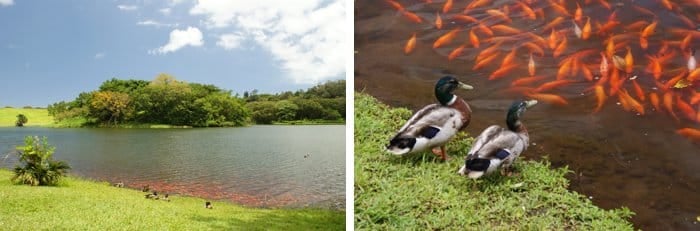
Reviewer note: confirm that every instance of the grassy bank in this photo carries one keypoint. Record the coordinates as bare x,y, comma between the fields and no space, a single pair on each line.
310,122
85,205
422,193
37,117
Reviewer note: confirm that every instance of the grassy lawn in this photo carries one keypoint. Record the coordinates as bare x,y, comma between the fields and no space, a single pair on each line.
37,117
420,192
85,205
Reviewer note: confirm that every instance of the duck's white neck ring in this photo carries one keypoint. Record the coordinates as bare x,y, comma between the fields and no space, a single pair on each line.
452,101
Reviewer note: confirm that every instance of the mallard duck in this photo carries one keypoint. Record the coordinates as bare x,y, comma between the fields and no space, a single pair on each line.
435,124
497,146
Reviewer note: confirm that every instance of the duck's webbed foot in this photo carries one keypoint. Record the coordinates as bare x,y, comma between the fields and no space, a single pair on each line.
441,153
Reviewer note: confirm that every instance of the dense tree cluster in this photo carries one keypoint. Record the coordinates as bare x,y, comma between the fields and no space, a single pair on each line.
322,102
166,100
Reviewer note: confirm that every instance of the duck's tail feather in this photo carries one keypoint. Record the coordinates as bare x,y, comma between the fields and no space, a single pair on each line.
401,145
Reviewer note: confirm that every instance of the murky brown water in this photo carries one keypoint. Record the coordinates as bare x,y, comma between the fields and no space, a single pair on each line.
619,158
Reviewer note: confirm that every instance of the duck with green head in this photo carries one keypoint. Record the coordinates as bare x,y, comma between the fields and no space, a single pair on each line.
435,124
497,146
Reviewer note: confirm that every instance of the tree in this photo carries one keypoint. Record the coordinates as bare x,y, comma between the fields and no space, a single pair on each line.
21,120
262,112
110,107
286,110
38,166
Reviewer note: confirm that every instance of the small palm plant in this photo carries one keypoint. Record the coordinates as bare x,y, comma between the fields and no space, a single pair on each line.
39,168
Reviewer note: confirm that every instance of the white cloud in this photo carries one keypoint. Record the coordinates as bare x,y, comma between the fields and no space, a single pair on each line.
127,7
155,24
6,2
99,55
179,39
165,11
307,37
230,41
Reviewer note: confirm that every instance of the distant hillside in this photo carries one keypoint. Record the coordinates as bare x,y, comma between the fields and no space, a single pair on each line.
37,117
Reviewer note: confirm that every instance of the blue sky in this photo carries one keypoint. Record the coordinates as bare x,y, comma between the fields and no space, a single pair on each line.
53,50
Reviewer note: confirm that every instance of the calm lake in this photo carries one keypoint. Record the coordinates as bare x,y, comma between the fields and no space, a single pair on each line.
261,166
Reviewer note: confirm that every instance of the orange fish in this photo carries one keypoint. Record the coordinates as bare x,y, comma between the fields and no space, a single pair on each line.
438,21
534,48
671,82
508,60
649,29
484,29
600,96
605,4
686,41
668,104
553,23
456,52
488,52
632,102
694,75
498,13
643,10
690,133
629,61
638,25
531,66
624,103
447,6
502,71
395,5
644,43
464,18
578,14
561,48
610,48
586,30
684,107
446,38
587,73
559,8
485,61
411,16
564,69
667,4
473,39
638,90
655,67
548,98
410,45
603,65
477,4
505,29
527,80
695,98
654,99
527,10
552,85
553,40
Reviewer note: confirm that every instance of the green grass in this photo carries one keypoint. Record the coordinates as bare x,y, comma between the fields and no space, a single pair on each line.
37,117
78,204
419,192
309,122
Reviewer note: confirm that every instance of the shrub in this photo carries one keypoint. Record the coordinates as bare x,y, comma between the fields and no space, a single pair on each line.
38,166
21,120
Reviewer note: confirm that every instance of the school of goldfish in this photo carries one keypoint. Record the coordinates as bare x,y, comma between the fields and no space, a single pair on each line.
643,63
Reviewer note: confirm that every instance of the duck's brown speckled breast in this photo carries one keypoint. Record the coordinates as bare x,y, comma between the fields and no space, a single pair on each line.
466,111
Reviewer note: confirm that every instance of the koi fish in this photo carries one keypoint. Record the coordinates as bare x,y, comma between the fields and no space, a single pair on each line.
534,48
553,40
446,38
447,6
692,64
473,39
531,66
629,61
561,48
502,71
505,29
578,14
411,16
552,85
684,107
690,133
438,21
586,31
548,98
638,90
410,45
485,61
654,99
668,104
577,30
649,29
508,60
527,81
632,102
600,96
527,10
456,52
